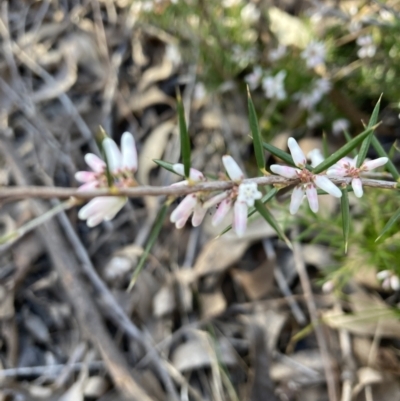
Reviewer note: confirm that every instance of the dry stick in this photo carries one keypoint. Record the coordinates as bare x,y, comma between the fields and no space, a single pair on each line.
14,193
114,310
86,311
312,309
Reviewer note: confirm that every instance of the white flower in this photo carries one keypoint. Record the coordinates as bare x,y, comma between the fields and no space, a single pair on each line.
319,88
254,78
231,3
122,165
314,120
248,193
199,92
274,87
308,181
340,125
314,54
250,13
389,280
277,54
367,47
346,167
316,157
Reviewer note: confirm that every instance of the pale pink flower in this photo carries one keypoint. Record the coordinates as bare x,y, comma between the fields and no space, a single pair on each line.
308,180
340,125
254,78
274,87
346,167
192,203
277,54
389,280
122,165
241,197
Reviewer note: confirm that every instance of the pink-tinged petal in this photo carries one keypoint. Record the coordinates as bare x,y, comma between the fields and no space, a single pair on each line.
327,185
232,168
223,209
184,209
316,157
346,162
312,196
371,164
85,176
216,199
114,156
194,175
240,218
386,284
198,215
284,171
100,205
395,283
296,199
383,274
296,152
336,171
129,153
356,183
94,220
89,186
115,206
180,223
328,286
95,163
180,183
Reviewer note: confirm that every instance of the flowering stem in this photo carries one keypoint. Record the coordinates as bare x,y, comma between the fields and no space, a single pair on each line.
13,193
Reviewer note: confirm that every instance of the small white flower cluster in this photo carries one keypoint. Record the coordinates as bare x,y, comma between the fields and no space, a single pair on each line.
314,54
241,197
273,85
389,280
122,165
367,48
345,167
308,100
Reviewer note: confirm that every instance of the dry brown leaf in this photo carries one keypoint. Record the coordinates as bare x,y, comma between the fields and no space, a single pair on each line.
217,255
256,283
95,386
140,101
154,148
155,74
164,300
6,303
212,304
198,353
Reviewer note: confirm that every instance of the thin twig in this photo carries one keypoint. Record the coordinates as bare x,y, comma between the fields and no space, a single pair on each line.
312,309
13,193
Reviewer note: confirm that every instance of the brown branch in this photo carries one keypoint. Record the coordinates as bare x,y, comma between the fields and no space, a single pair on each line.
22,192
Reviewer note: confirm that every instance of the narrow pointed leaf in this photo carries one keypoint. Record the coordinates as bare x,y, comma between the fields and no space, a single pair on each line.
345,217
348,139
155,231
389,224
343,151
362,154
382,153
325,149
184,136
279,153
270,219
167,165
255,131
266,198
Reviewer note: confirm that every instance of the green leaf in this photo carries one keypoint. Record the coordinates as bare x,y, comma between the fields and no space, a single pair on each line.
270,219
325,149
348,139
345,206
367,142
255,131
184,136
155,231
343,151
167,165
279,153
381,152
266,198
389,224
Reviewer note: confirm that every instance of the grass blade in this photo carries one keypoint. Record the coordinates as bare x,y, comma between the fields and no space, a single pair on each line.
344,204
270,219
382,153
348,139
255,131
167,165
184,136
343,151
367,142
279,153
389,224
155,231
